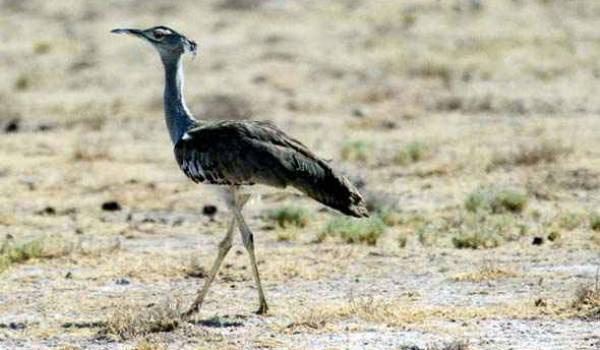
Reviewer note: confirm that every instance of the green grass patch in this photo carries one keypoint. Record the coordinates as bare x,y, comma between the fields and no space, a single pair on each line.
542,152
412,152
289,216
286,235
595,221
402,239
350,230
570,220
356,151
508,200
476,240
476,201
12,252
496,202
385,206
482,231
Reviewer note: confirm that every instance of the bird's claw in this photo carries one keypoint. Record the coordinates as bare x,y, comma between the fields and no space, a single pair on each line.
262,310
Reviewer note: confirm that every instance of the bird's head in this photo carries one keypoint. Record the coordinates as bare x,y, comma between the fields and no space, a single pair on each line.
167,42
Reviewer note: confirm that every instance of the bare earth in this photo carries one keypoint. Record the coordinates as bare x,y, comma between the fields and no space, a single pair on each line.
423,103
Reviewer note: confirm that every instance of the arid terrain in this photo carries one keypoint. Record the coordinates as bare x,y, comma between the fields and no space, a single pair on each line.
471,127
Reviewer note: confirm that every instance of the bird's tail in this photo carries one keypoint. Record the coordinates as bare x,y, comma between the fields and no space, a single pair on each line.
335,191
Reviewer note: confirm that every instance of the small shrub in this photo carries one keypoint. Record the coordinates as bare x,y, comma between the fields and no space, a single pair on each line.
408,19
127,323
402,240
383,205
47,247
427,234
569,221
553,236
496,201
432,69
147,344
286,235
355,151
508,200
290,216
412,153
595,221
41,47
23,82
366,231
476,240
85,151
587,302
486,272
545,151
477,201
391,217
12,252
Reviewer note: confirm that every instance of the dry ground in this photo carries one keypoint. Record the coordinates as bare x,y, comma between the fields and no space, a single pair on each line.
472,127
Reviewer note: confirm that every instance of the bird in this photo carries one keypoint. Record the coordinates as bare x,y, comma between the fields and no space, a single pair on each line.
236,154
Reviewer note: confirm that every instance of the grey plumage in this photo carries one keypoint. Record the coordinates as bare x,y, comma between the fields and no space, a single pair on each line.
240,153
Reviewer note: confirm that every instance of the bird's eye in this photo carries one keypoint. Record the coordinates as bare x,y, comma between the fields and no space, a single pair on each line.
158,35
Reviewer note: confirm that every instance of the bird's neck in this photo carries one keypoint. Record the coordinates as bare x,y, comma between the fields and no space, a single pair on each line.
177,115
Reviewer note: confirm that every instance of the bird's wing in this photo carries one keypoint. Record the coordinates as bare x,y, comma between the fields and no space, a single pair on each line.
233,153
249,152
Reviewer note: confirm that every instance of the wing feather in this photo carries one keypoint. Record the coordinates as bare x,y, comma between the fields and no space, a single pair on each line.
246,153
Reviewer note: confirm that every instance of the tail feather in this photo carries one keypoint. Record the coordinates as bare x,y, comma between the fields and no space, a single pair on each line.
335,191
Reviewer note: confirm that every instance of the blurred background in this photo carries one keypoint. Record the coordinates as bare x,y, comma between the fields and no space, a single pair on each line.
470,127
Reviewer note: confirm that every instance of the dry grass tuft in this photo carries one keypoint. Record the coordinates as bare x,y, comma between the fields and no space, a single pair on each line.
129,322
148,344
399,314
545,151
501,201
476,240
356,151
570,220
402,240
350,230
587,302
46,247
595,221
454,345
290,216
465,229
239,5
315,318
412,152
486,272
481,231
85,150
383,205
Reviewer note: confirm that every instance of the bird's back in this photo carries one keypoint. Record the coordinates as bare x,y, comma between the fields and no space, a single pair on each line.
250,152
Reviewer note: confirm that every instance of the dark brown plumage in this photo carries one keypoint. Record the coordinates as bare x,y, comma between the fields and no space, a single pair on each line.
253,152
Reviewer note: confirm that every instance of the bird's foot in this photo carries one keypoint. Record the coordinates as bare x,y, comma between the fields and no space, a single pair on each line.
190,312
263,309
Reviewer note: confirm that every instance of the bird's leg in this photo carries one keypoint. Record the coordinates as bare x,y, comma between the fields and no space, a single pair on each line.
224,247
248,240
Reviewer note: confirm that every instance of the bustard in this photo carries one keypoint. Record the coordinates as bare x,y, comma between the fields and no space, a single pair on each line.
239,153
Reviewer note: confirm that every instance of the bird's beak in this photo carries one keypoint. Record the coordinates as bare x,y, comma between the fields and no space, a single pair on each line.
135,32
